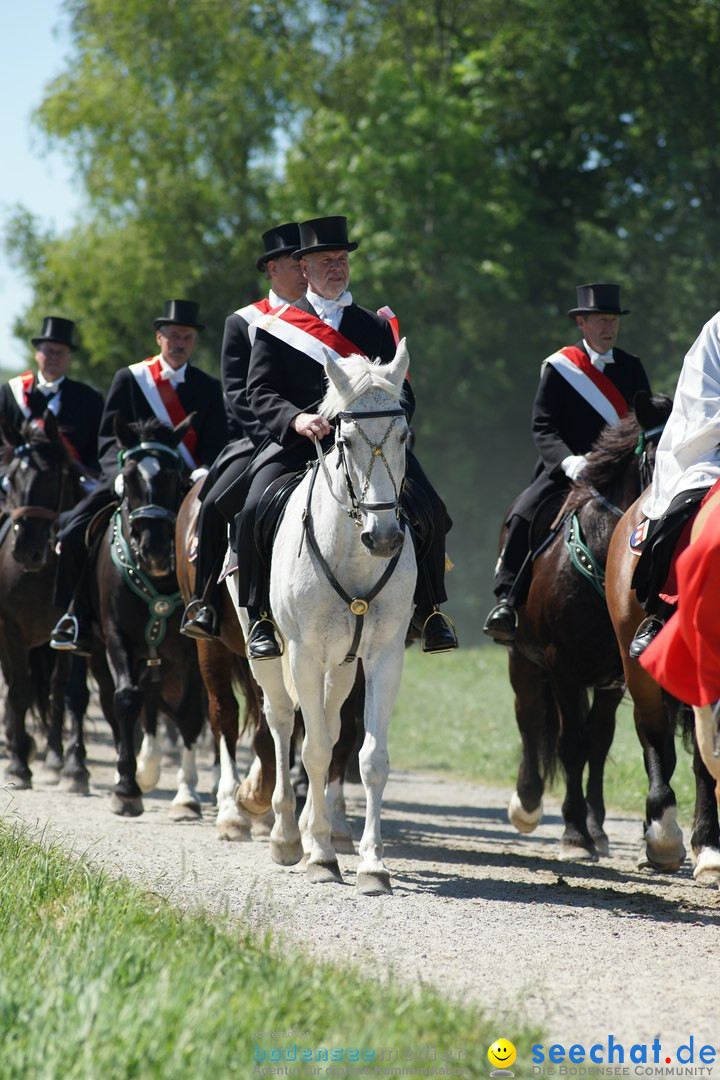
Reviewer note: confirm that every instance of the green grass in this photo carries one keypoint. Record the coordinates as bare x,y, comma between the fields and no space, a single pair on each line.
455,714
101,982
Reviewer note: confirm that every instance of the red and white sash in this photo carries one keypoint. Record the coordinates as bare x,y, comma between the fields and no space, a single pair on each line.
20,386
165,404
576,368
253,311
305,332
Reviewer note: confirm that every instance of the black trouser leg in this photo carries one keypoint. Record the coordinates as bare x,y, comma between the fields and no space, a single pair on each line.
252,575
430,588
514,562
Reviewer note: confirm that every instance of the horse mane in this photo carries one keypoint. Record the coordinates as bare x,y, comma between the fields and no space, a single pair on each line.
153,430
33,434
611,454
363,376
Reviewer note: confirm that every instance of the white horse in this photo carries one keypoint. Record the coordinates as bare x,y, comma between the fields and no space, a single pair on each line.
341,587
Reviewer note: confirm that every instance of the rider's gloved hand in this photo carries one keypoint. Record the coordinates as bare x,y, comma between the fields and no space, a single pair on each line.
573,465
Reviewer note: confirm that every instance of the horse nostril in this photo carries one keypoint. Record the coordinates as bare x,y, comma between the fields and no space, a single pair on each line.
368,540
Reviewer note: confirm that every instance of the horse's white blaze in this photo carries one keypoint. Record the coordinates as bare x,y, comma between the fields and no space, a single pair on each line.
148,763
233,822
705,740
318,626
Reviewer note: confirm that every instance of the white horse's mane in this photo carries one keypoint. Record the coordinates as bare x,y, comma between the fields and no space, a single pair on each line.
363,376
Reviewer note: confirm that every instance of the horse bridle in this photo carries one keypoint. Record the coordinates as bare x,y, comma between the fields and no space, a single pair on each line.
150,510
358,505
358,605
44,513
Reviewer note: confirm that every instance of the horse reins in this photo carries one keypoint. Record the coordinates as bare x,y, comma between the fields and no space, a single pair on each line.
358,605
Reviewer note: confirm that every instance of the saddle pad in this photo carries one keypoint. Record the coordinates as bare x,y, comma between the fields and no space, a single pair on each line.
639,537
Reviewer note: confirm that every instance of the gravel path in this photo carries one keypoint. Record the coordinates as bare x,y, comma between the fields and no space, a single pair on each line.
580,951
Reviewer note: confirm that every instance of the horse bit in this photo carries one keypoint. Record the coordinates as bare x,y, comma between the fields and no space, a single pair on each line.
358,605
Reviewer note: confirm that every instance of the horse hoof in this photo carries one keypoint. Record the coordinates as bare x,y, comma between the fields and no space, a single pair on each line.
324,873
191,811
262,826
49,776
525,821
75,785
343,844
53,762
577,853
286,854
601,842
19,781
233,831
126,806
707,868
659,863
370,883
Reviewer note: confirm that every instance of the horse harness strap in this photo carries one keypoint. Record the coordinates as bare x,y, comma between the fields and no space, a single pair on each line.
582,557
161,606
358,605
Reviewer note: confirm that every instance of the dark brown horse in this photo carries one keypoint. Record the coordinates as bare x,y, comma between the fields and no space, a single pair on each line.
657,717
141,662
224,666
41,481
565,648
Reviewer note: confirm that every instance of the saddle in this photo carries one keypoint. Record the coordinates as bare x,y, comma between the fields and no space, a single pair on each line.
98,523
666,537
270,510
546,521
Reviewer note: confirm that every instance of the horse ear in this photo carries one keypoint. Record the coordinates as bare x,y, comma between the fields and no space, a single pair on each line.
337,376
9,433
396,370
122,431
182,428
651,411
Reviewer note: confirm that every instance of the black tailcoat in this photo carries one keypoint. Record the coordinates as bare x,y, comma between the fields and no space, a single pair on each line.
78,416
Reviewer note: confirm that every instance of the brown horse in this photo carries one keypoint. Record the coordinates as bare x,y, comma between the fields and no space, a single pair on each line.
656,719
223,665
141,662
41,481
565,645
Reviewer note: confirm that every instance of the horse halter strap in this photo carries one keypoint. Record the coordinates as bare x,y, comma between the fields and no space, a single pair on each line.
358,505
135,453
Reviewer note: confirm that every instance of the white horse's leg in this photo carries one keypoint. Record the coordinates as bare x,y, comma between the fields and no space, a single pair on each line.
341,831
321,695
233,821
148,763
382,682
186,804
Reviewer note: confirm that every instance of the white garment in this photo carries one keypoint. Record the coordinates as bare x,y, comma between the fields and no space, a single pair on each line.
573,465
330,311
688,454
49,388
598,360
172,375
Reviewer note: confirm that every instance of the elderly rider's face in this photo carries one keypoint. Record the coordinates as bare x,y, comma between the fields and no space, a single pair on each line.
600,331
327,272
176,343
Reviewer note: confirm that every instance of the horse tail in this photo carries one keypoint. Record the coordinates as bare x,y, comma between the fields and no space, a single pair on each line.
41,660
548,736
243,680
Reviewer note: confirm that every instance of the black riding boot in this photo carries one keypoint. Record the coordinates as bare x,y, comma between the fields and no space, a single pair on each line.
261,641
512,580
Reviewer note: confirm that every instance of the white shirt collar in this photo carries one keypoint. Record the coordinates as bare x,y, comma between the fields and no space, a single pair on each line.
598,360
172,375
47,387
330,311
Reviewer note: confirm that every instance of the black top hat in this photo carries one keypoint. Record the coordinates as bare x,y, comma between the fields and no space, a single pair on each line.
56,329
282,240
323,234
180,313
601,298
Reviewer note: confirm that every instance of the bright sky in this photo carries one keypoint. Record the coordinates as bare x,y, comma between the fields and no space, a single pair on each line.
35,43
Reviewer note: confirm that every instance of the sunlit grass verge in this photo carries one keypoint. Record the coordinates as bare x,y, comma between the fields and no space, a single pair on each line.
100,981
455,714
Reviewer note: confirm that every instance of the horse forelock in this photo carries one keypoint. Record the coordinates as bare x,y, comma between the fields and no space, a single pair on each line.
153,430
363,375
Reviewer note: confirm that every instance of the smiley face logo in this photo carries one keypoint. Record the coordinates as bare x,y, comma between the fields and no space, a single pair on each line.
502,1054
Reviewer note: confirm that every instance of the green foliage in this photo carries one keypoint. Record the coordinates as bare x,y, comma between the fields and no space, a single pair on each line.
490,155
99,980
